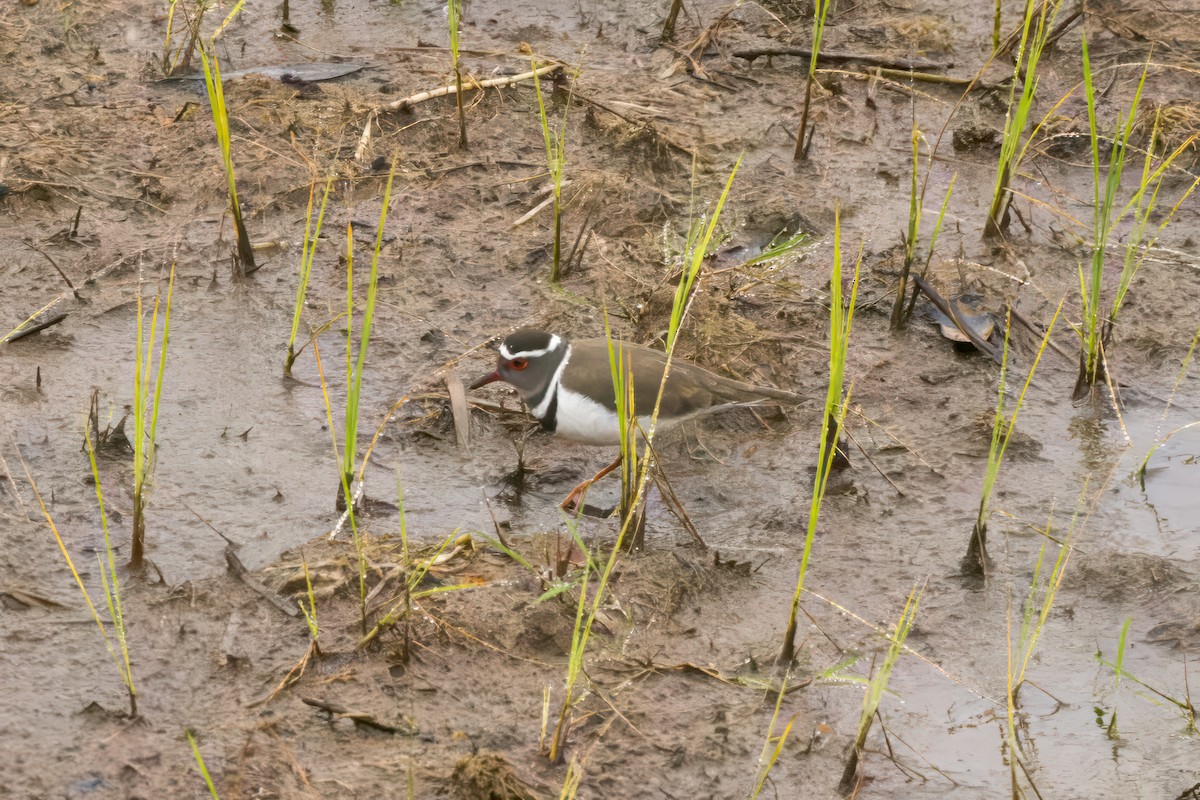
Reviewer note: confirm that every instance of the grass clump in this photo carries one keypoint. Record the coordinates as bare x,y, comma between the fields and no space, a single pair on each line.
976,562
208,781
804,135
841,317
355,364
556,161
244,255
1184,704
1099,316
851,776
1037,23
1039,600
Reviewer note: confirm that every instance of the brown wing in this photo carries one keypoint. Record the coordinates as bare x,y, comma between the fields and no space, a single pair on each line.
687,393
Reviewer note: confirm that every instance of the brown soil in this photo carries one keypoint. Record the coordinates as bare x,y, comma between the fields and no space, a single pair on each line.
110,174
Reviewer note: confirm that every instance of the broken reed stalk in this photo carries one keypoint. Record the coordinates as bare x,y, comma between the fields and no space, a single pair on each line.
875,689
841,318
145,430
589,602
1034,39
556,160
976,562
668,28
453,17
312,233
220,117
111,589
803,135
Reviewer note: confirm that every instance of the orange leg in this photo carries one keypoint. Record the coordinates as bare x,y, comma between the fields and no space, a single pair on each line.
571,503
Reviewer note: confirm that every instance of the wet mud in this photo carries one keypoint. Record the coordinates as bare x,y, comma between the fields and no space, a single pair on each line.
110,174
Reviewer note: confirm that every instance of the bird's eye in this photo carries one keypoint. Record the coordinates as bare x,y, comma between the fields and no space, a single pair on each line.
519,363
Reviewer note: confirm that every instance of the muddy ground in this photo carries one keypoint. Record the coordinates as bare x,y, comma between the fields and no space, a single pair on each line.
109,174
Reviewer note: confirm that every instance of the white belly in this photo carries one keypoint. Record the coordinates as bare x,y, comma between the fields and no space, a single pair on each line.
581,419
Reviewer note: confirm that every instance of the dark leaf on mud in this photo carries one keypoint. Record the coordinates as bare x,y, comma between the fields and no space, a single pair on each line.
981,324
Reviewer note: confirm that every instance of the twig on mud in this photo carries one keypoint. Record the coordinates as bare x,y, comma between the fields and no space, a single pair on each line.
871,461
359,717
1021,318
241,573
406,103
20,333
904,64
57,268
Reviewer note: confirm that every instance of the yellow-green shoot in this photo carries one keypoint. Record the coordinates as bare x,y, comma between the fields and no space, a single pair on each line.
589,603
355,365
146,405
841,317
312,231
556,162
1098,321
803,135
453,18
310,612
220,116
345,486
876,687
110,582
976,561
1118,670
1037,23
208,781
120,651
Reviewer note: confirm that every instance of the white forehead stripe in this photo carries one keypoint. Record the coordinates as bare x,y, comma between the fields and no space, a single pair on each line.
509,355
